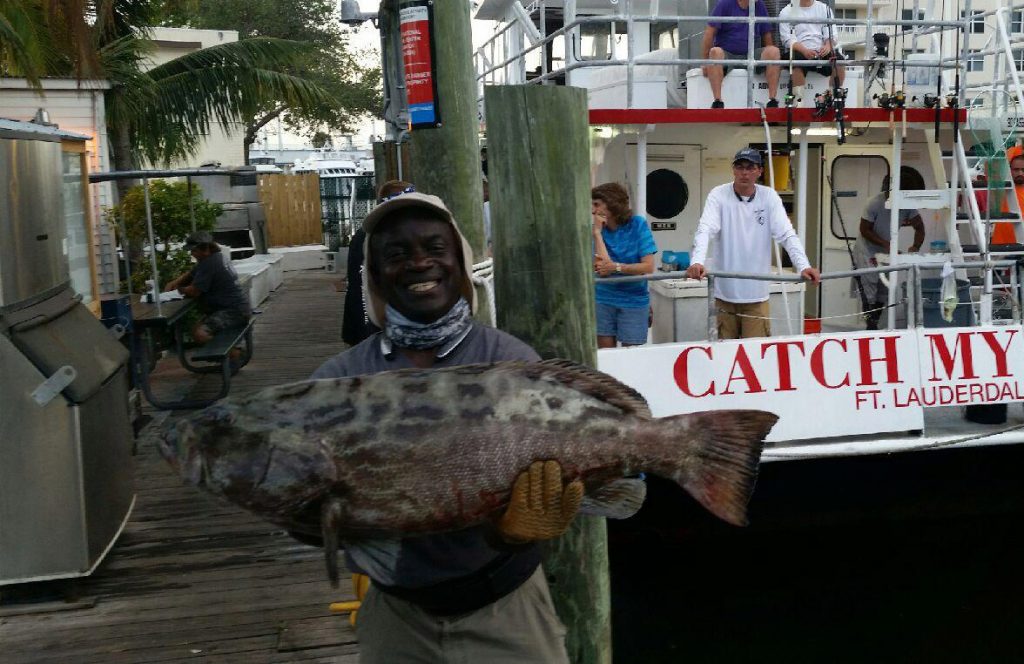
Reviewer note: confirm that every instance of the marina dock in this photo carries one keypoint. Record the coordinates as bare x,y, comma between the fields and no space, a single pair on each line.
192,578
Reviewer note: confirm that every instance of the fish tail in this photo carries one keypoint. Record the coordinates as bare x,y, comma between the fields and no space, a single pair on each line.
330,517
725,450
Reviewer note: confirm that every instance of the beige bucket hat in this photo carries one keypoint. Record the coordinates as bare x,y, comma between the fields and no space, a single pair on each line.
374,299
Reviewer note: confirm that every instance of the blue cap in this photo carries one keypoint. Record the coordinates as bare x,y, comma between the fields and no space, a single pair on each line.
748,154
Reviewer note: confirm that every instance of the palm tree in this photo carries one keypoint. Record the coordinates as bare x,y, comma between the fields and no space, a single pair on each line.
160,114
38,37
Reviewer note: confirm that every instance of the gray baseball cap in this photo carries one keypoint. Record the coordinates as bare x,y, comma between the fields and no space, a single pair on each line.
198,238
748,154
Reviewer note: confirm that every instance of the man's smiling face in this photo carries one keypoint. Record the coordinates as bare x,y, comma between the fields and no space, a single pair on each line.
1017,170
415,263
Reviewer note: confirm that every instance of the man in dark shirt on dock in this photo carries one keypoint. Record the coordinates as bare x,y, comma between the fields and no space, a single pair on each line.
215,284
476,595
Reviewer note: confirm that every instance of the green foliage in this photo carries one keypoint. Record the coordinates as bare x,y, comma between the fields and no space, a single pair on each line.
227,83
351,80
169,203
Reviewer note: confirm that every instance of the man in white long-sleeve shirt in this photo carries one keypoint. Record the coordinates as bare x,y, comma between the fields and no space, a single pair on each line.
744,217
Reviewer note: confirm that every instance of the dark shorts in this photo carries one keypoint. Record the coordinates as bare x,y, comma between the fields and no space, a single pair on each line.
729,55
223,319
824,70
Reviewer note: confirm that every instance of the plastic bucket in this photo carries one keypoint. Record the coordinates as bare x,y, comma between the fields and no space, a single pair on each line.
812,325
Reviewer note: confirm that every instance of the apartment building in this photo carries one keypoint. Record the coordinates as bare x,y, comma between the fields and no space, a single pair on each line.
223,142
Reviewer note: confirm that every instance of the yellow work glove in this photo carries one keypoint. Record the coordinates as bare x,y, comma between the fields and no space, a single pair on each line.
541,506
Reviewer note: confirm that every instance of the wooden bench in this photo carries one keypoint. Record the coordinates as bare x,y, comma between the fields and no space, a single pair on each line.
218,351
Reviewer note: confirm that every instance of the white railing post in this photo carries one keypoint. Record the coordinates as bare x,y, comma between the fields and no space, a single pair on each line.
894,220
1004,35
569,16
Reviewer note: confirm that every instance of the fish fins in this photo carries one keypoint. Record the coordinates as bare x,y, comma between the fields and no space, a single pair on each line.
598,385
619,499
330,519
727,449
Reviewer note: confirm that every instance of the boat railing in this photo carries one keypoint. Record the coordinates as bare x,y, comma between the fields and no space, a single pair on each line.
914,299
511,65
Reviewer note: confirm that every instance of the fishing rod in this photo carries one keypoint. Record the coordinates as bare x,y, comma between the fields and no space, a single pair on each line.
938,81
838,93
834,98
790,100
864,306
954,99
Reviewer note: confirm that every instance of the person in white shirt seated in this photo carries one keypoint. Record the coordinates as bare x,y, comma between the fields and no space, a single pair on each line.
809,41
744,217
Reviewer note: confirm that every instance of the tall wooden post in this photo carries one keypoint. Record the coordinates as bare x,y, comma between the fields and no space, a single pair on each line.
539,164
446,159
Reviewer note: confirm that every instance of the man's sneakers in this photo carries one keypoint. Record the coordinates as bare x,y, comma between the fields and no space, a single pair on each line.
772,103
718,103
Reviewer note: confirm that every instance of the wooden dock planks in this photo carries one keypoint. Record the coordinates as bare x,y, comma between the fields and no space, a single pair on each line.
192,578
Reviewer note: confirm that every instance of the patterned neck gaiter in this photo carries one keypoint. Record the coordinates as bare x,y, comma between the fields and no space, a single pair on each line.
448,330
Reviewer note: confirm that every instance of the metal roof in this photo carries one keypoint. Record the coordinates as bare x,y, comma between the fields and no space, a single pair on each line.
18,129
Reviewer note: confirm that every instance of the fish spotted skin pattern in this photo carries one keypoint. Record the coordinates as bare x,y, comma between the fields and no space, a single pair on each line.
424,451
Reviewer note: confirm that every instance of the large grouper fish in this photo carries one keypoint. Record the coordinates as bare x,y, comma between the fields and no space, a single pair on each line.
424,451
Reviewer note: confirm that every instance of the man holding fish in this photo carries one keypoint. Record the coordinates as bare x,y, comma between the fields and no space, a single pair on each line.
478,594
440,450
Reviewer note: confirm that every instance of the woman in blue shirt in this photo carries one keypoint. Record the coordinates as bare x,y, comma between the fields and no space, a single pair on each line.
623,244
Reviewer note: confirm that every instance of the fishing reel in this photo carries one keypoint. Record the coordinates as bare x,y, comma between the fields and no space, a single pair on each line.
834,98
891,101
929,100
822,102
952,100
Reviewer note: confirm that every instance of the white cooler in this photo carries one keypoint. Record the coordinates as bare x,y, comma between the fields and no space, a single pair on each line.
681,309
734,88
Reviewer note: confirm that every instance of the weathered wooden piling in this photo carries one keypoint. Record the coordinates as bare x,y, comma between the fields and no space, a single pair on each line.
539,165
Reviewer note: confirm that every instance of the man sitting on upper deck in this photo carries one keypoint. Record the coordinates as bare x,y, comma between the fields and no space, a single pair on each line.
809,41
729,40
744,217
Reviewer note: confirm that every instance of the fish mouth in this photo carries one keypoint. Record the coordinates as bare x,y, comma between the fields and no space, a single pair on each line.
423,286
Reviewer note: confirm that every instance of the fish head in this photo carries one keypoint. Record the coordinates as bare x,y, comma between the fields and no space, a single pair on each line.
267,470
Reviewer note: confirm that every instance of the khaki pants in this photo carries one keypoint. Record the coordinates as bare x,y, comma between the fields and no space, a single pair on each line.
743,321
520,628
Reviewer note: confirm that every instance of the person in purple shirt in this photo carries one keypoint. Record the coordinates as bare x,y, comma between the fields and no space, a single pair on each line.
729,40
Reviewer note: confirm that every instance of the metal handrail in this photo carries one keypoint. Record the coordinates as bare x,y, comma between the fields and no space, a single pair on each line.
915,317
611,19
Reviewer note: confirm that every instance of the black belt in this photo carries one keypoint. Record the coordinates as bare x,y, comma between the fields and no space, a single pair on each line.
475,591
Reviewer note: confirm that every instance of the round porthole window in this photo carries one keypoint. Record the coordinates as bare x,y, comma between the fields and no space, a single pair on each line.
667,193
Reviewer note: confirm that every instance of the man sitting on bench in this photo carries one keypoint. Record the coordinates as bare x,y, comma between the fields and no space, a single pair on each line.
215,284
728,40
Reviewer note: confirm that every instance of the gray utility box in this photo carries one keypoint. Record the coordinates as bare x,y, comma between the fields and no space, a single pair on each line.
65,464
65,433
242,224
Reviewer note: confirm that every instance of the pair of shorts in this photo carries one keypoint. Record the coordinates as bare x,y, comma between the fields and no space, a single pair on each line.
743,320
824,70
627,324
223,319
729,55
